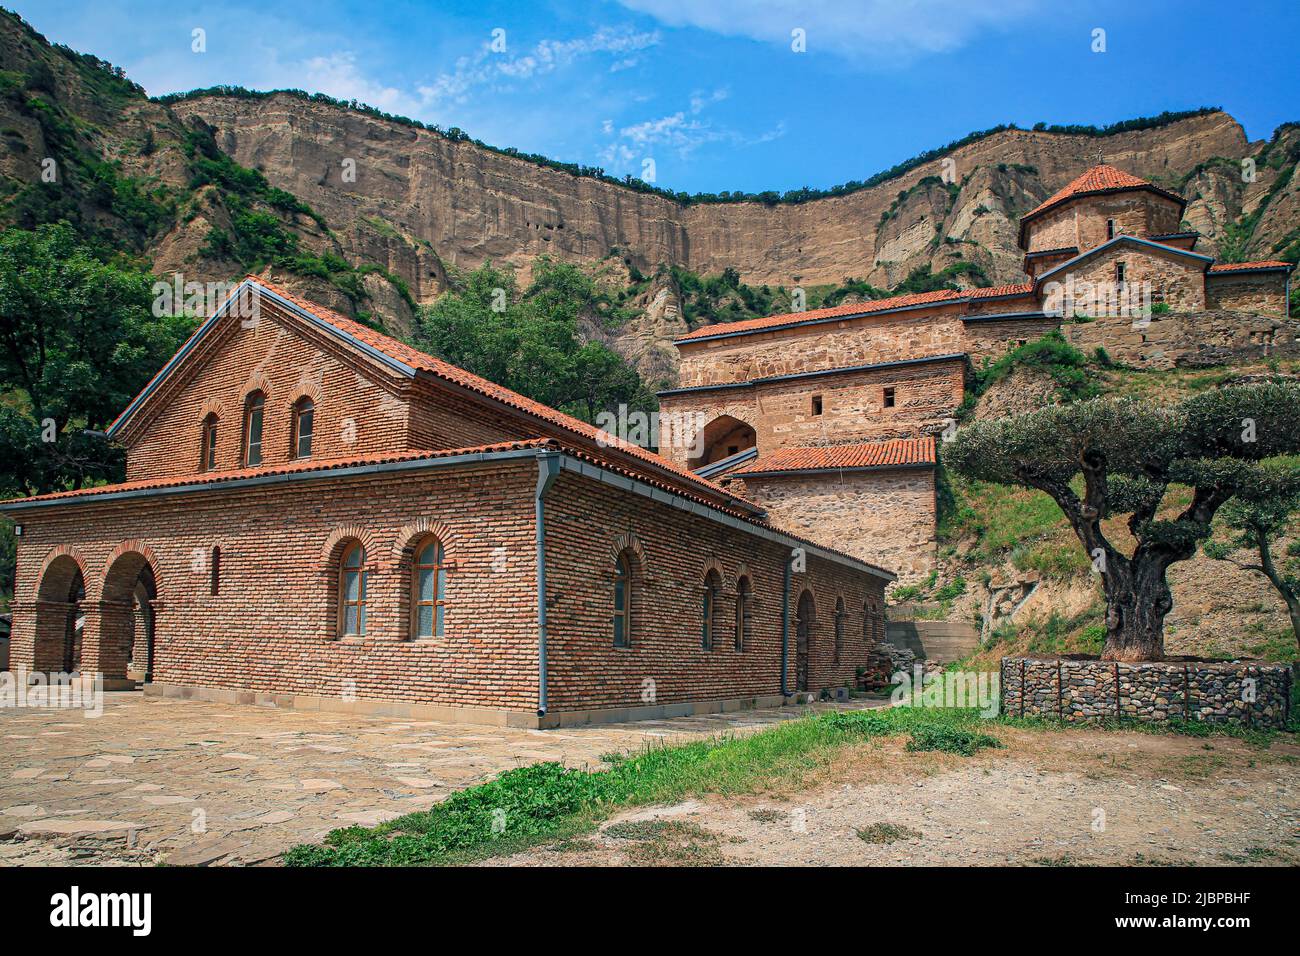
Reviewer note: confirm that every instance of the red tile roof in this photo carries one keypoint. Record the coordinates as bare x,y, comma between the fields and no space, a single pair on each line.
287,468
817,315
1098,179
1248,266
408,355
993,292
893,452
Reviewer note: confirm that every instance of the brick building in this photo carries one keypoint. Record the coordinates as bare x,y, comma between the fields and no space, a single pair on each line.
815,415
316,515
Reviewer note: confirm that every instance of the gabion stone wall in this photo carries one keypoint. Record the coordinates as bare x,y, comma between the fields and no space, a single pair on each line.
1082,689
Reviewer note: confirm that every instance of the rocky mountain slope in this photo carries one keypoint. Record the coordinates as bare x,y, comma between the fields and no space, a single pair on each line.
372,215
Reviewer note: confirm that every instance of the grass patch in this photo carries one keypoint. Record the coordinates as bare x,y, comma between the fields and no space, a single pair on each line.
547,801
951,740
887,833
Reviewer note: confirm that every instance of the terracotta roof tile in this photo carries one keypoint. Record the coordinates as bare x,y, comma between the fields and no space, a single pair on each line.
1248,266
1019,288
287,468
1099,179
895,451
815,315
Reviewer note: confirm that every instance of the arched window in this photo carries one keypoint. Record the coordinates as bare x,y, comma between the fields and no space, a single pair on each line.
208,444
303,414
744,611
839,629
429,588
623,600
712,591
254,405
352,591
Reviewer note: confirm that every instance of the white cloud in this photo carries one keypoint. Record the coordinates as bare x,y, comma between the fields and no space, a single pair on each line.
489,68
337,75
680,132
876,30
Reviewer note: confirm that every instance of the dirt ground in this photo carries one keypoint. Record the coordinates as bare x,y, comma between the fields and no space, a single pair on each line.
156,780
183,782
1050,798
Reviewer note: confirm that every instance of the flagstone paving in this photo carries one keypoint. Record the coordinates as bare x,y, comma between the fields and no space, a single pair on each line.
193,783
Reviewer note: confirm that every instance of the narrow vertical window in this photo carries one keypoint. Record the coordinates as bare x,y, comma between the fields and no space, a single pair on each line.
888,398
1110,228
839,629
208,451
709,608
1119,273
352,591
816,404
253,408
304,413
429,581
622,602
744,603
215,570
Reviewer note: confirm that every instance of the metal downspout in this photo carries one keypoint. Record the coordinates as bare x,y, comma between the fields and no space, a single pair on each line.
548,466
785,627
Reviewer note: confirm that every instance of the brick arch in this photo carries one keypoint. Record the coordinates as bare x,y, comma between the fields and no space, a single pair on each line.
257,382
211,406
404,544
58,580
629,542
307,388
123,566
334,545
713,564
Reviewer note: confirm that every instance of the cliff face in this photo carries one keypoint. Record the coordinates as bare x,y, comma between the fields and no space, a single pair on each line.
417,194
147,178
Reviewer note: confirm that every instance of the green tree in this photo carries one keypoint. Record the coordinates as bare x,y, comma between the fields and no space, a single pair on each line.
1255,520
77,341
1109,458
537,342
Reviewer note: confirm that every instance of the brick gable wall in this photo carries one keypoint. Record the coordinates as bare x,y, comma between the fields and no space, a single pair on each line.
359,409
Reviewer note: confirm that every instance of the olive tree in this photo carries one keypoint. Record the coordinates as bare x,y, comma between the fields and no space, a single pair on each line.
1108,458
1255,521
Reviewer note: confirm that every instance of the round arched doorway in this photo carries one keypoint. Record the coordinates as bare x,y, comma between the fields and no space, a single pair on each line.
805,615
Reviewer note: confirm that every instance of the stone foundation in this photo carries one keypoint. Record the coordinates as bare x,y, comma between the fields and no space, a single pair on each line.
1083,689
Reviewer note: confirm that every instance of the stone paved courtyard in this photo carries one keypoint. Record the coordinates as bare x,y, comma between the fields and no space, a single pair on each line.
186,782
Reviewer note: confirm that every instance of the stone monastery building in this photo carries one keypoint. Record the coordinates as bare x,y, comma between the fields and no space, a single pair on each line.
318,516
828,418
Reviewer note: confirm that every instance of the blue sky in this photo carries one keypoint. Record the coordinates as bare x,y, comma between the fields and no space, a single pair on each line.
712,90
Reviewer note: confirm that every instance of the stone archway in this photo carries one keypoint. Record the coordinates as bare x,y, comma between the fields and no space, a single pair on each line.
721,438
60,616
123,635
805,617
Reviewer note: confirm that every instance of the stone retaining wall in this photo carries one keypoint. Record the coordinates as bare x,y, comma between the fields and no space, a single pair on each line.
1081,690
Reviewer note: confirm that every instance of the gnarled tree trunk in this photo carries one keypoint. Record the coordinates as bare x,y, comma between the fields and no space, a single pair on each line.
1137,600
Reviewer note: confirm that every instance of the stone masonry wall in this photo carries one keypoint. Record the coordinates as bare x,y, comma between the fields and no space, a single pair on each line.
1082,223
1263,293
883,516
853,410
1187,339
862,341
1250,694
